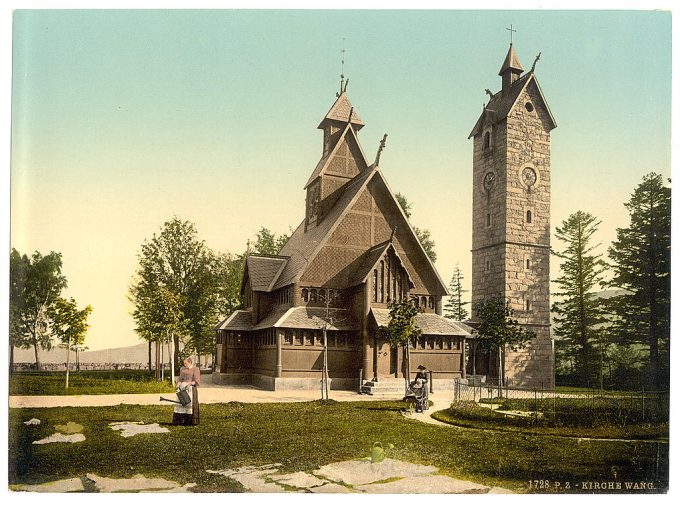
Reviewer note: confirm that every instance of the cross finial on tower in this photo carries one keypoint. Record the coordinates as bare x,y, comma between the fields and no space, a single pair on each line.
511,32
342,68
380,150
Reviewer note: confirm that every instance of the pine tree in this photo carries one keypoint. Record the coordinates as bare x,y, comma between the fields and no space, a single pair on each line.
455,306
641,255
578,310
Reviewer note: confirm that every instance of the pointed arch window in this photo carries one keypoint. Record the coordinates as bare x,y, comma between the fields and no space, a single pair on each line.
487,141
375,285
382,282
305,295
529,216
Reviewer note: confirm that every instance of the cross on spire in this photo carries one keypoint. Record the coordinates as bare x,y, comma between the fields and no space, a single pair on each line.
511,32
342,67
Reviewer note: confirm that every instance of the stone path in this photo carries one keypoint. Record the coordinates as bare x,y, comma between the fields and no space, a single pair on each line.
391,476
94,483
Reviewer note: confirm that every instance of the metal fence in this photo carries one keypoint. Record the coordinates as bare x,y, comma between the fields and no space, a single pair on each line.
562,406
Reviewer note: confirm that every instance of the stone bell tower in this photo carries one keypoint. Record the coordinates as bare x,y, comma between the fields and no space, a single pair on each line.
511,215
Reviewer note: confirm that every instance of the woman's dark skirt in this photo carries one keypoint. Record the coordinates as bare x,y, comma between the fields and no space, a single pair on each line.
188,419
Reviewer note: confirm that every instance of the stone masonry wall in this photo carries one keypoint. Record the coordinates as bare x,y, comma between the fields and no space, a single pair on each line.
511,255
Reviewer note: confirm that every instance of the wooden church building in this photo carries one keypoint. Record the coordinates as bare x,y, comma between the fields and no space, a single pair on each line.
353,253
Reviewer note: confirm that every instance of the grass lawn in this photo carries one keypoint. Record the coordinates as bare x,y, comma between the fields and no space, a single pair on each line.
570,417
90,382
304,436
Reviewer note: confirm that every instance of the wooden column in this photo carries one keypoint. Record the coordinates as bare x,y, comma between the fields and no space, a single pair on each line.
367,354
279,341
462,357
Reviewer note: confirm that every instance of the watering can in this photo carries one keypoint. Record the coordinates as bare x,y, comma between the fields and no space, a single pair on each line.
377,453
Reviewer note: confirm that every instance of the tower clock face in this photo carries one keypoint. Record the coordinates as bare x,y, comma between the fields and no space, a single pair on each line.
489,180
529,177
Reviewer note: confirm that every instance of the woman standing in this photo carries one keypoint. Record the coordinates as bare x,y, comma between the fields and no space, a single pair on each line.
189,379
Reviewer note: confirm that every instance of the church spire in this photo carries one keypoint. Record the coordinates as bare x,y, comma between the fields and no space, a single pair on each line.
511,69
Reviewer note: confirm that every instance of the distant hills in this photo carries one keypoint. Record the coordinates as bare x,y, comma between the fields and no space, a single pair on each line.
131,354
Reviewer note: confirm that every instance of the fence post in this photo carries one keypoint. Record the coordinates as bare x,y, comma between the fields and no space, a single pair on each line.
431,382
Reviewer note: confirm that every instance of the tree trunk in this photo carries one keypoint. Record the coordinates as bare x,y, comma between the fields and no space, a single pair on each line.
68,361
11,358
175,354
150,356
171,344
157,371
35,349
162,363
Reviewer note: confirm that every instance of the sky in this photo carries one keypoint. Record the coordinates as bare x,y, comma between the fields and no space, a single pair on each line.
123,119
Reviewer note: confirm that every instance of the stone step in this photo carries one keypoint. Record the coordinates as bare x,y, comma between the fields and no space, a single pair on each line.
391,387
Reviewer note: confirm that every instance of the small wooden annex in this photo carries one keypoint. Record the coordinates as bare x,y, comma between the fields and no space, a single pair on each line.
352,254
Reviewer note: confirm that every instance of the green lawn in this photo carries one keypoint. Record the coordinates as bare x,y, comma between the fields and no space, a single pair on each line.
304,436
86,383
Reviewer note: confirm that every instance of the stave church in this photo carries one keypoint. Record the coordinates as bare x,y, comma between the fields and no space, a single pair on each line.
355,251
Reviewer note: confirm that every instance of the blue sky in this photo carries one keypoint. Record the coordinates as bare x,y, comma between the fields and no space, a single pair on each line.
122,119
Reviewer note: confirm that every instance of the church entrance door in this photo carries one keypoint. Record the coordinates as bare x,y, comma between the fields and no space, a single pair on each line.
386,359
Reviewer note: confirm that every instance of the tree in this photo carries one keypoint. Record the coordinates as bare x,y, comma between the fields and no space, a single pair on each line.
642,267
268,243
69,325
455,306
579,311
498,330
424,235
401,330
35,286
174,282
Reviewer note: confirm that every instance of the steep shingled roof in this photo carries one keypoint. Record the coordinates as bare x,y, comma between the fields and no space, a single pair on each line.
264,270
429,323
501,103
302,246
339,111
325,160
511,62
290,317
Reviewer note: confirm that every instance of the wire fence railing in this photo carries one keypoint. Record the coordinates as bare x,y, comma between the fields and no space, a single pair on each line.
578,406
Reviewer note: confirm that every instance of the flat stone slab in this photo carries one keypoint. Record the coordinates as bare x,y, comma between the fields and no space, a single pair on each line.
330,487
425,484
130,429
253,478
360,472
32,422
136,483
298,479
60,437
58,486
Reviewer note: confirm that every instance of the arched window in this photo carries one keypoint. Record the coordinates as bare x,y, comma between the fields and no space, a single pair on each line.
527,305
322,296
528,264
430,302
528,216
375,285
423,302
487,265
313,296
305,295
487,140
382,282
488,219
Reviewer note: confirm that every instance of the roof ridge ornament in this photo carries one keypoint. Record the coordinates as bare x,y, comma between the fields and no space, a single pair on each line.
380,150
533,67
